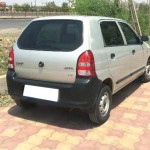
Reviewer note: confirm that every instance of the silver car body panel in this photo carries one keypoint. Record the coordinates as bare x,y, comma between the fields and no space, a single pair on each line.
60,67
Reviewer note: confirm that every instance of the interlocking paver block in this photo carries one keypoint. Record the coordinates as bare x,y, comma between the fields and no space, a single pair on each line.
38,124
35,140
93,145
130,116
128,127
73,139
38,148
148,126
24,146
9,132
115,132
1,121
58,136
45,132
64,146
50,144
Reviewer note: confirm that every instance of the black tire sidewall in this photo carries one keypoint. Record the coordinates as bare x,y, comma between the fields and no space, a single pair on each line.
102,119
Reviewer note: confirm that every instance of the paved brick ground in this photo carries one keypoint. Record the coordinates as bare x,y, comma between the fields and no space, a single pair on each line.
48,128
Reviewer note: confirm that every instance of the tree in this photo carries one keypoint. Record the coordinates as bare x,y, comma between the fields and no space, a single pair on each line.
71,3
26,7
144,7
17,7
113,8
143,18
23,7
65,7
50,6
100,7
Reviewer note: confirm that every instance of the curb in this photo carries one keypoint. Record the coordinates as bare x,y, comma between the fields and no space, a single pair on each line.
18,17
3,85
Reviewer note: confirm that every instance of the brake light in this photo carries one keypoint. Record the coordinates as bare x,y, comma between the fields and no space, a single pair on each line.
11,64
86,65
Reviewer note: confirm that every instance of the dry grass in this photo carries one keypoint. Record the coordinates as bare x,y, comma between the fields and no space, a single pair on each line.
7,39
5,100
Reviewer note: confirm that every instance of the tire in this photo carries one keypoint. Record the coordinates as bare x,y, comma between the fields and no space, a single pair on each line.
146,76
24,104
101,110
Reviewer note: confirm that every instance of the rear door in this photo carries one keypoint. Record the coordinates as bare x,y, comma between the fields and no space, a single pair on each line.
47,50
118,54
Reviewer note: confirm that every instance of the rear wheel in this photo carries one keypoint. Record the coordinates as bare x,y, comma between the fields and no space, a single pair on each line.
24,104
102,107
146,76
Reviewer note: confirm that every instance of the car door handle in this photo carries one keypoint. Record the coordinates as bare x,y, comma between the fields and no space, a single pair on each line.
133,52
112,56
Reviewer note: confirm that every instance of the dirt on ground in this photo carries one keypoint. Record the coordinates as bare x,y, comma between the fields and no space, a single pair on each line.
5,100
8,37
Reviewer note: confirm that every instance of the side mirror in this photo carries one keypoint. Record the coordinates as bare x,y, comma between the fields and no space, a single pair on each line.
144,38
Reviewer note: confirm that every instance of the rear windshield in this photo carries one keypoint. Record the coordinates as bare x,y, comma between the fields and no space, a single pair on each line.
52,35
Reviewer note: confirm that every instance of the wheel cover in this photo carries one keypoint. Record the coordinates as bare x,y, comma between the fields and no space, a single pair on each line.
147,72
104,104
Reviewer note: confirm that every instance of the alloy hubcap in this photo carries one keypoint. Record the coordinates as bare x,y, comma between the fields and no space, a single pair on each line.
148,70
104,104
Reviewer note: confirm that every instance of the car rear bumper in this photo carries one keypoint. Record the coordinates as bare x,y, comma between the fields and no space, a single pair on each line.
82,94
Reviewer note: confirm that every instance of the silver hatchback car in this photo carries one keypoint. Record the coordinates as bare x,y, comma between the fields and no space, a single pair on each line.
76,62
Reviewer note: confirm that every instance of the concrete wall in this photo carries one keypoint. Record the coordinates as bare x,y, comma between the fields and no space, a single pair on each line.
3,87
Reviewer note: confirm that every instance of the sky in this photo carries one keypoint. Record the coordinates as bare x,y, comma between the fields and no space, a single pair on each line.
42,2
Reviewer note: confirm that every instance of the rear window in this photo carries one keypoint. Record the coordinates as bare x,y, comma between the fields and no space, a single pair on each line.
52,35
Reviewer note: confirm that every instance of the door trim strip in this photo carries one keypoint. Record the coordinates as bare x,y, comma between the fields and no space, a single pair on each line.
124,78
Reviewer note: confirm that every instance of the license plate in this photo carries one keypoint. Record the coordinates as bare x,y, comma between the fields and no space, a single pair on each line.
48,94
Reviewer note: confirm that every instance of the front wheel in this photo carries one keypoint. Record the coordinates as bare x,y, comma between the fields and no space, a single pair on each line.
102,107
146,76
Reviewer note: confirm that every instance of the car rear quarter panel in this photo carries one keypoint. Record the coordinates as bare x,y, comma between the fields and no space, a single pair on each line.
97,47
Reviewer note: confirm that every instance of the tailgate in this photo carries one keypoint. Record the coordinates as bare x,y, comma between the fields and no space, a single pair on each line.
46,66
48,50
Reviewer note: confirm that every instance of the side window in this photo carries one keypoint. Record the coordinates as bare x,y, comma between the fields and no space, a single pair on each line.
111,33
130,36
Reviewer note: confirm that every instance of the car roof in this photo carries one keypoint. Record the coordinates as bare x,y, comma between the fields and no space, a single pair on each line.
78,17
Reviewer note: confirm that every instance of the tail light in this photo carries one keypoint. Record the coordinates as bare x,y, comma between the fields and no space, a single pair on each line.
86,65
11,64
